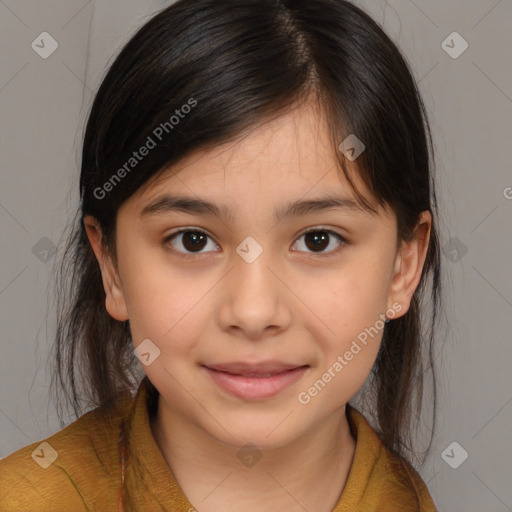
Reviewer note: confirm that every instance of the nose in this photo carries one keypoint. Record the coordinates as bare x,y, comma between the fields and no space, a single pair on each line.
254,300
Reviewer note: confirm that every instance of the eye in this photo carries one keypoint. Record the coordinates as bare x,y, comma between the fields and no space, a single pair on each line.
188,242
317,239
193,240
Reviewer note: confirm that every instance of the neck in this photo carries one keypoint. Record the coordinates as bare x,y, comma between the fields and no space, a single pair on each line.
308,473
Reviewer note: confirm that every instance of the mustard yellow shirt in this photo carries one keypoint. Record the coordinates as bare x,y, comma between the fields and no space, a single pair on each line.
79,469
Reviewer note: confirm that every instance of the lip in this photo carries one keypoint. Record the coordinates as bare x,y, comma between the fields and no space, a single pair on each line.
255,381
263,368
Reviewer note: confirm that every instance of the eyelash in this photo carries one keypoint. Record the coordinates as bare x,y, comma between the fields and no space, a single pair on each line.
342,240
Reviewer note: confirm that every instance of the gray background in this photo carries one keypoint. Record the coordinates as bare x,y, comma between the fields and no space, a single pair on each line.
43,105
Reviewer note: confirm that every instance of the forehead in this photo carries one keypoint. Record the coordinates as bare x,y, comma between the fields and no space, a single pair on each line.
286,157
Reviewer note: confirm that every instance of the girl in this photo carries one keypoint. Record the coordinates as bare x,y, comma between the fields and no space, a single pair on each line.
256,230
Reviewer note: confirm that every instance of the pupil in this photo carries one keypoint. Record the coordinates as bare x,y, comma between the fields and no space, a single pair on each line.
196,238
320,239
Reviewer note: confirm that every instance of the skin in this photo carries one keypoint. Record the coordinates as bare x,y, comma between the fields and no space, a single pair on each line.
292,304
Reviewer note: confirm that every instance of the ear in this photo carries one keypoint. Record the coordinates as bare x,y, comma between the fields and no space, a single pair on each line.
409,265
115,301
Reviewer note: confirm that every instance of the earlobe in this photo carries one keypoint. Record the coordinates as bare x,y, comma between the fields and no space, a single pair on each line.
114,301
409,265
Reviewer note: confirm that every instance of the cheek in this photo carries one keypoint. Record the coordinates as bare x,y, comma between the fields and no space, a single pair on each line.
352,309
350,300
161,302
348,355
165,312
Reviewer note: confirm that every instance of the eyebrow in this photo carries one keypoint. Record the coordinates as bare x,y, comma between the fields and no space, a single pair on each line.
193,206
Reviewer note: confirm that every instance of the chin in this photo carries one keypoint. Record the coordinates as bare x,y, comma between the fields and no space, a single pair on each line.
265,434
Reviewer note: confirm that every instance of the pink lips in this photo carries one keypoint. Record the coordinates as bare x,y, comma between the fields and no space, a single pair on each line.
255,381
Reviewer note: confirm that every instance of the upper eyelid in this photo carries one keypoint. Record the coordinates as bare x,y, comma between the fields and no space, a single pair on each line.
306,230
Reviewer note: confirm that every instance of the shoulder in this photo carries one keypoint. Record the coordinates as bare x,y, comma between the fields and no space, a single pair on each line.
389,480
407,484
70,470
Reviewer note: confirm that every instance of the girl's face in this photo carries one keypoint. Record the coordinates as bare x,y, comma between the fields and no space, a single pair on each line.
251,287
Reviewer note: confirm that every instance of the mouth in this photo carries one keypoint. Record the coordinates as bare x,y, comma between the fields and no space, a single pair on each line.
264,369
255,381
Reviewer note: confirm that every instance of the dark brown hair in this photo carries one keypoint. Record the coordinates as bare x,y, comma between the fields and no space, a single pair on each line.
242,62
